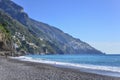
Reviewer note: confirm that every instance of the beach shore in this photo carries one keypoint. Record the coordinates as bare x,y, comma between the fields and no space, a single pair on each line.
11,69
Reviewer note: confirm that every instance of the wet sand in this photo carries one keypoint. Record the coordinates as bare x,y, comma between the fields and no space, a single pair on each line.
11,69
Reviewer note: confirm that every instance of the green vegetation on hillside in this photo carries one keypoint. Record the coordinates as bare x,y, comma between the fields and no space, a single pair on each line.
23,38
4,30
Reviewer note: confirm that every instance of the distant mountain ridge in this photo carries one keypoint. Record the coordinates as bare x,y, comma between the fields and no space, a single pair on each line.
45,38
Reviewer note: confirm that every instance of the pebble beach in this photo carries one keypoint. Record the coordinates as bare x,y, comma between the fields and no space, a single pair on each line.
11,69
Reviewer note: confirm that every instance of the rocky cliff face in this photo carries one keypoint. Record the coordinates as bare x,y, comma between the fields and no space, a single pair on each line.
2,37
40,37
5,41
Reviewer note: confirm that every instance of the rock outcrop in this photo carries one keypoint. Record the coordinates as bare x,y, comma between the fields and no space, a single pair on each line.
6,46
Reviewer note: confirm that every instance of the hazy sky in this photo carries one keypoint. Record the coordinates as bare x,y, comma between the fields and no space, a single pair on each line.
94,21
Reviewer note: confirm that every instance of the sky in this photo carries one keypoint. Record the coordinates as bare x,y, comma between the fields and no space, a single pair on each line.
96,22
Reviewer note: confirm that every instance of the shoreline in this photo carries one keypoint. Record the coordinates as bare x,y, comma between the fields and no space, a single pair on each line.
13,69
100,70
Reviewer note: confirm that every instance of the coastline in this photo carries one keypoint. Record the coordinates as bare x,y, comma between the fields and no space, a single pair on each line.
12,69
101,70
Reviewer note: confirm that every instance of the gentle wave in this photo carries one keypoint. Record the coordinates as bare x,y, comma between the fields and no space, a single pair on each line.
93,67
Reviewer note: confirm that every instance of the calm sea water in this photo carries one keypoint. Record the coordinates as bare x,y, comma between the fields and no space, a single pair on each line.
100,60
101,64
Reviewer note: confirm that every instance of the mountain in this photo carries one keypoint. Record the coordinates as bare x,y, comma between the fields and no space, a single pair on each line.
33,36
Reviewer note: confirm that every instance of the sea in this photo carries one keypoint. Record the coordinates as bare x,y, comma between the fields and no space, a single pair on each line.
99,64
